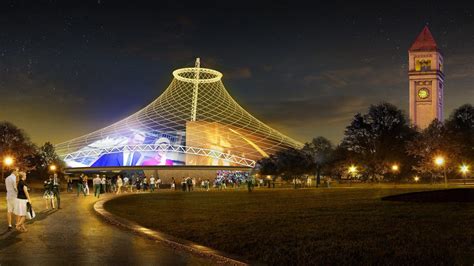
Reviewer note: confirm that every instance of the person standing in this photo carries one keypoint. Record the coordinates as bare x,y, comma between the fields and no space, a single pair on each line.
12,193
108,185
158,183
96,182
152,183
145,184
103,184
119,185
56,190
125,184
173,183
21,203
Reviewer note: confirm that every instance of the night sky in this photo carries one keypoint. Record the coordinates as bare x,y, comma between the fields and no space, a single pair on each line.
66,70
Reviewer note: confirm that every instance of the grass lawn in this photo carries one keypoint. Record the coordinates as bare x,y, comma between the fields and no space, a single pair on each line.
311,226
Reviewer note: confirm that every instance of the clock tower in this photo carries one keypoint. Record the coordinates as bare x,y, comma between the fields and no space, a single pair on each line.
426,77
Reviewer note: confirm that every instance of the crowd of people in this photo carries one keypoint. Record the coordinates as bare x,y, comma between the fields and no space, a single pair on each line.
141,183
19,202
116,184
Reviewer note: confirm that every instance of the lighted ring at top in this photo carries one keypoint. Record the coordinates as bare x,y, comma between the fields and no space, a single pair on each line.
206,75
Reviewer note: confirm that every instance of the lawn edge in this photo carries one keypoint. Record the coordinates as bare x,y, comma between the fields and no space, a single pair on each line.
171,241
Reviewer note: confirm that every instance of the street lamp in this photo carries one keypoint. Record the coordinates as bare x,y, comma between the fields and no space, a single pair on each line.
352,171
395,169
7,161
464,169
416,178
439,161
52,168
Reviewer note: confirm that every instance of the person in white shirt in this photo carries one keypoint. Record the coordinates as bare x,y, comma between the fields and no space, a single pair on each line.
152,183
158,183
125,184
96,182
10,184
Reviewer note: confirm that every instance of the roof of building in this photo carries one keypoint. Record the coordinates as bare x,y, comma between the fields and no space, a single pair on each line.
424,42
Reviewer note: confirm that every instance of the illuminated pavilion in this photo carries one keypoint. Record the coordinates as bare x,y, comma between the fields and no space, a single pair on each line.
194,122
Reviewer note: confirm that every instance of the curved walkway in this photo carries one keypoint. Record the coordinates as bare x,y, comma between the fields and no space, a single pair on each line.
173,242
75,235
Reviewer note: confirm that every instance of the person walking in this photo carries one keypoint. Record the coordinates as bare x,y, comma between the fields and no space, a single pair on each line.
119,185
96,182
80,185
48,194
85,182
69,184
103,183
152,183
56,190
22,199
12,193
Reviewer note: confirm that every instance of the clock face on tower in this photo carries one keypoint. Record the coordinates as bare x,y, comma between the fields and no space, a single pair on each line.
423,93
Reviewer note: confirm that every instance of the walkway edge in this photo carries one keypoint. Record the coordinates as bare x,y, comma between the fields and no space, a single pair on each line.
171,241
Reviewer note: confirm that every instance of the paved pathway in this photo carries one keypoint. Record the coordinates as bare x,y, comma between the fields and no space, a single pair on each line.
74,235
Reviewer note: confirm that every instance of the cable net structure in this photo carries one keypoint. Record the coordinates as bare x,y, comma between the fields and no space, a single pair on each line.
194,121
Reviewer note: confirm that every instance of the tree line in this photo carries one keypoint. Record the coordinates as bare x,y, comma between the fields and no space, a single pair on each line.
15,143
381,145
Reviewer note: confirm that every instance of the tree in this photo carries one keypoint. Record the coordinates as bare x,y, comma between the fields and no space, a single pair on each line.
428,144
460,131
377,139
16,143
44,158
320,151
267,165
292,163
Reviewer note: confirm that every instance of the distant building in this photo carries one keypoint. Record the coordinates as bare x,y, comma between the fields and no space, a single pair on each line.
426,77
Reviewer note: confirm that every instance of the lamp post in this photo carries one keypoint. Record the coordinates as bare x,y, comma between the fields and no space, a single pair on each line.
7,161
439,161
464,169
395,169
352,171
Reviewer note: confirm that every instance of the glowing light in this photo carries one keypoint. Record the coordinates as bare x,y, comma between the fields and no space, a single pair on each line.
416,178
439,160
352,169
8,161
464,169
52,167
395,167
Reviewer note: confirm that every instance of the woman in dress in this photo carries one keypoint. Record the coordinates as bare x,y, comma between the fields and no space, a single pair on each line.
20,204
48,194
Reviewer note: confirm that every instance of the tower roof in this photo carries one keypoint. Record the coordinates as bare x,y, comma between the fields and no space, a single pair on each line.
424,42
